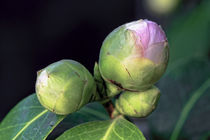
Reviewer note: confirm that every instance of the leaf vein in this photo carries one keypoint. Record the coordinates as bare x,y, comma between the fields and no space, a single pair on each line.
30,122
109,130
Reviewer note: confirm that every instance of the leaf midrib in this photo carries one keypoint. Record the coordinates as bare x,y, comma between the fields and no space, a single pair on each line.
30,122
109,130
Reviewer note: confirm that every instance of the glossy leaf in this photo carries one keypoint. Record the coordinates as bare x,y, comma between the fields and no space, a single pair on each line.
91,112
28,120
117,129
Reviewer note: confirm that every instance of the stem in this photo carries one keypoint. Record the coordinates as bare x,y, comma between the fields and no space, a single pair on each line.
109,108
186,110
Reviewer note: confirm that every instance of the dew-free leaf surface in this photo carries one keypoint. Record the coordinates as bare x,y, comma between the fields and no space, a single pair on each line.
91,112
28,120
116,129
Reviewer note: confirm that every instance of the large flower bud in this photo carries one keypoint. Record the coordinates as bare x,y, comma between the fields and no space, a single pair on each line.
138,104
65,86
134,56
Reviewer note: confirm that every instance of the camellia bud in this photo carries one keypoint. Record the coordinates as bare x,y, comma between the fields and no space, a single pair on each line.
138,104
65,86
134,56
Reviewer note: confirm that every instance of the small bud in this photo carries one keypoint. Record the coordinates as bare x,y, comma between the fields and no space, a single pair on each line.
138,104
134,56
65,86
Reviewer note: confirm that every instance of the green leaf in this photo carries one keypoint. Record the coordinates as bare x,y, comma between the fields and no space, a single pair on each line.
117,129
183,110
28,120
91,112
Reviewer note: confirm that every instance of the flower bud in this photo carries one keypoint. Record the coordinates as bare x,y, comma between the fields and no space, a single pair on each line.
65,86
138,104
134,56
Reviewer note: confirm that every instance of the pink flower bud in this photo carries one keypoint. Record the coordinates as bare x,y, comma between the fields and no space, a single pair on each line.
134,56
150,38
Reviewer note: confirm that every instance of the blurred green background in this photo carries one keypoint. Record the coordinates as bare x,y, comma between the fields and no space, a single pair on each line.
34,34
184,108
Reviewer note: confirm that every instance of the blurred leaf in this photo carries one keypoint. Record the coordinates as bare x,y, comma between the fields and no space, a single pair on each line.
189,34
184,107
91,112
28,120
116,129
188,107
184,100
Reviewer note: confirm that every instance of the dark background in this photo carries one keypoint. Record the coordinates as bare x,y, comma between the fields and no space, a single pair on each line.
35,33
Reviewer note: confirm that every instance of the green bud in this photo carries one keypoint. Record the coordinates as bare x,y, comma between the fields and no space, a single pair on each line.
138,104
65,86
134,56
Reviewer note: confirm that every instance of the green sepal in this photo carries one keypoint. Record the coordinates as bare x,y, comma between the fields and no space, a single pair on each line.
112,90
101,92
105,89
